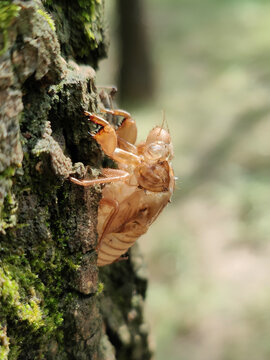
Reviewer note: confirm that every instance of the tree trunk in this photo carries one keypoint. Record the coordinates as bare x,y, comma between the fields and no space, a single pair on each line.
136,76
54,303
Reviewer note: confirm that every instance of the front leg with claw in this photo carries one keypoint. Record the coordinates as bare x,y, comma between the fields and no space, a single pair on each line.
107,139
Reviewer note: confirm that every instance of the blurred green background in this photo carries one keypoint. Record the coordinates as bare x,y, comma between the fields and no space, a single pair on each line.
208,253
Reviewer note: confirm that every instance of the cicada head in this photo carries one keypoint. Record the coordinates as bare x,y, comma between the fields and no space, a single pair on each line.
158,145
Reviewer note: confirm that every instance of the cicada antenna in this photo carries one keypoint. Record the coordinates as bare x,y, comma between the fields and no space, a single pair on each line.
164,121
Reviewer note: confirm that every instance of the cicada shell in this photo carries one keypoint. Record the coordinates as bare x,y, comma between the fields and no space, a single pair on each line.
136,192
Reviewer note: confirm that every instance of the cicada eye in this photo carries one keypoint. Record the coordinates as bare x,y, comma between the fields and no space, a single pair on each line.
157,150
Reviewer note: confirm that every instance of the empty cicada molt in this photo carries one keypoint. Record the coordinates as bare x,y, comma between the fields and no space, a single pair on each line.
137,191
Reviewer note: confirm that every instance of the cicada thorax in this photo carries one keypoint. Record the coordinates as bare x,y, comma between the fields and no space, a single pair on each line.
154,176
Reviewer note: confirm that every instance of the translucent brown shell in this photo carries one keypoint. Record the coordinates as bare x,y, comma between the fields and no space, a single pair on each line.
137,191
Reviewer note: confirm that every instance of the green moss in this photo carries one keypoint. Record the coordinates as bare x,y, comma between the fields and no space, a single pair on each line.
80,29
4,344
89,17
8,172
31,286
56,89
13,303
9,206
47,2
8,211
8,11
48,18
100,288
33,283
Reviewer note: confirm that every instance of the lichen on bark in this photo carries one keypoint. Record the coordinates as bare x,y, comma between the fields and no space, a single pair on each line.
52,305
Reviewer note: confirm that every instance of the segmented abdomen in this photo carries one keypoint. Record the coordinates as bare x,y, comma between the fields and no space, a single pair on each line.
135,213
116,244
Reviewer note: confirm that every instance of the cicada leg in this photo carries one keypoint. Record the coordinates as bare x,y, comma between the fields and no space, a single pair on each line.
126,132
107,138
127,146
111,175
115,208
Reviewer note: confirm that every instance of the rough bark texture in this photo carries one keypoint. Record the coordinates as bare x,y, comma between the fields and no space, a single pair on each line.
54,304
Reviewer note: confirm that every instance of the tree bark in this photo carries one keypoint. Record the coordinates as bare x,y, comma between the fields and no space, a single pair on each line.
54,303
